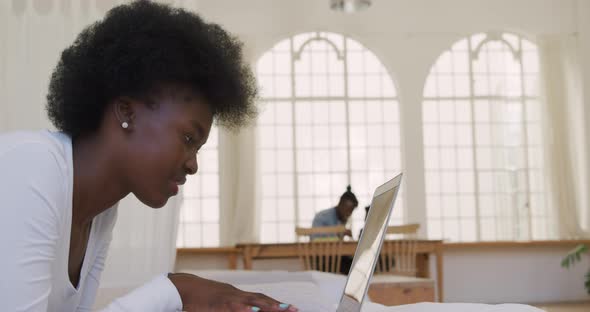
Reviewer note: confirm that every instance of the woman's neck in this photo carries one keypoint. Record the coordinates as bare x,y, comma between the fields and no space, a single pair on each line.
98,184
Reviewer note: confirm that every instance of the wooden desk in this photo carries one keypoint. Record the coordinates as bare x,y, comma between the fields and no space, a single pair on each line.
253,251
392,290
231,253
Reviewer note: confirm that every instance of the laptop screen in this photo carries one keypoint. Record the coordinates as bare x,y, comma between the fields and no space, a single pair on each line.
369,245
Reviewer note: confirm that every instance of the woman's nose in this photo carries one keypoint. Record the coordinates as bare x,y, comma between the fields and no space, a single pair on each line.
191,165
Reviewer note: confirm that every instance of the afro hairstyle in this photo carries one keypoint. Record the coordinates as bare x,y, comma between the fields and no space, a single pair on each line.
136,49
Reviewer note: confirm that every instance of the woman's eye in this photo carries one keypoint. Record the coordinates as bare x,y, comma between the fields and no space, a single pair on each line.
191,143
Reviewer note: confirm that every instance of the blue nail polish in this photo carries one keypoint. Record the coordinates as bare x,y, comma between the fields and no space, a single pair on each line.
255,309
283,306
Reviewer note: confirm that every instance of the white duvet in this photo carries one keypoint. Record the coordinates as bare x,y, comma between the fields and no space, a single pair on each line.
320,292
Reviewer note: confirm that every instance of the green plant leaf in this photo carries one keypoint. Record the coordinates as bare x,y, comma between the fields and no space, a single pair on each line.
575,255
565,263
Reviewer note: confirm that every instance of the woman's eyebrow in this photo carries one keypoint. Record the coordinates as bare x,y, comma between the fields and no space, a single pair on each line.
199,129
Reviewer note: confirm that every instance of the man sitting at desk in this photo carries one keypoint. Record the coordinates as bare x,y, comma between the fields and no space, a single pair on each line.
339,215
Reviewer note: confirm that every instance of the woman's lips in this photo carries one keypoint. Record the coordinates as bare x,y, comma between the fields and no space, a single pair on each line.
174,188
176,185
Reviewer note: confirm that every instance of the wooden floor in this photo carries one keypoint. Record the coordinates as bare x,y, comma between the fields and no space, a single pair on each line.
565,307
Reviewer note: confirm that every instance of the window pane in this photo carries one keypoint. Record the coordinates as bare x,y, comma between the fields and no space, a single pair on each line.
330,149
475,144
210,210
211,235
192,235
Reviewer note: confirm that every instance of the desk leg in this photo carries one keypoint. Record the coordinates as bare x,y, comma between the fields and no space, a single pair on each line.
423,265
247,258
233,261
439,272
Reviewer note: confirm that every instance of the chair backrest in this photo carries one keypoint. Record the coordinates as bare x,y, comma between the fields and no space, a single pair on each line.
323,253
398,256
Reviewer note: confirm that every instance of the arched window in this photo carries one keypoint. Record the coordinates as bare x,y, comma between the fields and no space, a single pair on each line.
330,118
199,212
483,153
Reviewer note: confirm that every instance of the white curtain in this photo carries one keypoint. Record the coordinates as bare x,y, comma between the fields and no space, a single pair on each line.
565,150
239,198
34,32
240,191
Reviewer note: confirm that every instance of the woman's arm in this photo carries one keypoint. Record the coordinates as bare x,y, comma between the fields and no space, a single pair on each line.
159,295
174,292
31,188
177,292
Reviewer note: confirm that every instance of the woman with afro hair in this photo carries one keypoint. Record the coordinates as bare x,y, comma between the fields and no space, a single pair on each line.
133,98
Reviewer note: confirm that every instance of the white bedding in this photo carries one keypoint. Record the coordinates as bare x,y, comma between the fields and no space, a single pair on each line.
320,292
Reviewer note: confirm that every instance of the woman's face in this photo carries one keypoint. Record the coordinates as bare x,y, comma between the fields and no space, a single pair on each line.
345,209
163,142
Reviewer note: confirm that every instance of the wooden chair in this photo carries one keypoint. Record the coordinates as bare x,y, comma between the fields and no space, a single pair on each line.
395,280
398,257
320,253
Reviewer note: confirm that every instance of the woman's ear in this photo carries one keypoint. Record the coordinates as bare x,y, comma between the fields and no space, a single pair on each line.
124,109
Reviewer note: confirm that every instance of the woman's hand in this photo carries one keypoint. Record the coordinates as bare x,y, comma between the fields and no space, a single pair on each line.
348,232
199,294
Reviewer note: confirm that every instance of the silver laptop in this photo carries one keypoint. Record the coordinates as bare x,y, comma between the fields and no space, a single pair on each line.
369,246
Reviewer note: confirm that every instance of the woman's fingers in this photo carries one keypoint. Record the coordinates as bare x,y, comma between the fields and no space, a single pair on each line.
282,307
261,302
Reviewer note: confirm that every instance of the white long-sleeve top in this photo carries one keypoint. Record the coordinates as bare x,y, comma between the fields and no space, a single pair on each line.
36,185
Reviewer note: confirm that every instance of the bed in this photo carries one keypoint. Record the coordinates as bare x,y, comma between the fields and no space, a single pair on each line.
318,291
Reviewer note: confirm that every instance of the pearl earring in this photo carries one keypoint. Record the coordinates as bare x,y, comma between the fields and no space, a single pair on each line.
125,125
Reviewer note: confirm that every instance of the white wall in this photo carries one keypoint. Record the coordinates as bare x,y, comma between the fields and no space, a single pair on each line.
529,275
483,275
